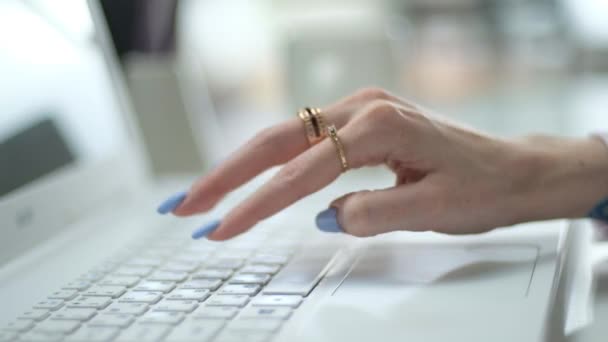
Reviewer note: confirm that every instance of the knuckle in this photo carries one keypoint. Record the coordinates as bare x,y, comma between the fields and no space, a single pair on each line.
379,112
373,93
358,216
289,175
265,137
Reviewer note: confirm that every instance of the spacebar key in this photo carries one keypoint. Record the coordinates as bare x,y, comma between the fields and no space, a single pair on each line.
301,275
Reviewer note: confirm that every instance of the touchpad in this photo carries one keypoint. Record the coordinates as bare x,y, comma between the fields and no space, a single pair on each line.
480,268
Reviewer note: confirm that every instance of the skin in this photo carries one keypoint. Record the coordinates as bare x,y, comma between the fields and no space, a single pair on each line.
449,178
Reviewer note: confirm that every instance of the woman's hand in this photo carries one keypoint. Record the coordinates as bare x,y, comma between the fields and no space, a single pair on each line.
449,179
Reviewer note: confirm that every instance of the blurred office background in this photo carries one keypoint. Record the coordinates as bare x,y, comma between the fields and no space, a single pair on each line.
228,68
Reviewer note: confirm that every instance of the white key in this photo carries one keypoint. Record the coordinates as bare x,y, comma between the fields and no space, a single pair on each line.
181,266
180,294
240,336
225,263
240,289
302,274
57,327
141,271
93,334
64,294
35,314
196,330
144,332
127,308
278,312
155,286
112,320
212,274
105,291
38,336
198,258
168,276
261,269
270,325
50,304
7,336
159,317
140,297
215,312
112,280
249,279
74,314
77,285
277,300
19,326
269,259
228,300
90,302
176,305
92,276
210,284
144,262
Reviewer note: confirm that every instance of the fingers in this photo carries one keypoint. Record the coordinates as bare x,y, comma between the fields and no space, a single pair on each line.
273,146
368,213
307,173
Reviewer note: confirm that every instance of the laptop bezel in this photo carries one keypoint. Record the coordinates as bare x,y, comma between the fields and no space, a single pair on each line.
47,205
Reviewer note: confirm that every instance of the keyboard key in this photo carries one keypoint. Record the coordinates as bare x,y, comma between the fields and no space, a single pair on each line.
240,289
19,326
212,274
249,279
140,297
159,317
181,294
260,269
270,325
215,312
144,332
74,314
155,286
144,262
302,274
210,284
127,308
112,320
140,271
50,304
113,280
168,276
269,259
7,336
277,300
195,330
38,336
176,306
57,327
77,285
93,334
187,267
35,314
225,263
105,291
228,300
64,294
266,313
92,276
90,302
240,336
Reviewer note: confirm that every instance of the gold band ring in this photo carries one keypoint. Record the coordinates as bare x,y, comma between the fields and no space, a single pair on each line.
314,124
333,135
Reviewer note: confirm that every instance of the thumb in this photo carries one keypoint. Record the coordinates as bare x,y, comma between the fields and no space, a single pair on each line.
369,213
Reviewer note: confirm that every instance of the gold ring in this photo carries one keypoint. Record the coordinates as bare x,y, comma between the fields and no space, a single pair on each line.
314,124
333,135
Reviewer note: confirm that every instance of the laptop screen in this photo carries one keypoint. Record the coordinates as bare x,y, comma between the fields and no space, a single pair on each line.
57,104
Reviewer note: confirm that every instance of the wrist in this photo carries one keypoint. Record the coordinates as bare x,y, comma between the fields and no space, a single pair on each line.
558,177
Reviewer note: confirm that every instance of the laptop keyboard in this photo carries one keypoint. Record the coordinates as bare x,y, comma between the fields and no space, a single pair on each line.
173,289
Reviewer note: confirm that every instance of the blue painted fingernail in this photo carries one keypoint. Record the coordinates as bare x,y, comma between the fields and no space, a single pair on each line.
205,230
327,221
171,203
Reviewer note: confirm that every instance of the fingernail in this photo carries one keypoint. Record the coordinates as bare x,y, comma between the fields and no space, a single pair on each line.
327,221
205,230
171,203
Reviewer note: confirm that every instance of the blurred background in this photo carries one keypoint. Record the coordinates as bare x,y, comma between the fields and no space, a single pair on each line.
226,68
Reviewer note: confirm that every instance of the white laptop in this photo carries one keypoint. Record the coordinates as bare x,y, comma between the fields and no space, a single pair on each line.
84,256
